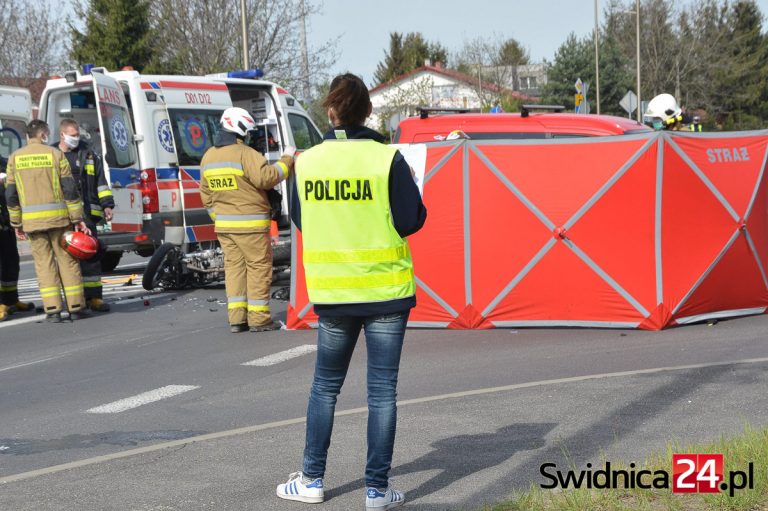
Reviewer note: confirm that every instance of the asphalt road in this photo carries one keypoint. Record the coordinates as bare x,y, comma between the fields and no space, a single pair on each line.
480,411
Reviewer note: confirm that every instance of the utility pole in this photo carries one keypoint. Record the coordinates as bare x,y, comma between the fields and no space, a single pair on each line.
245,34
637,49
597,62
304,53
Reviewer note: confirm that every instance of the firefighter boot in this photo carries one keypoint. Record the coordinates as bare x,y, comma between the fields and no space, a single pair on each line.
21,307
53,317
3,312
97,305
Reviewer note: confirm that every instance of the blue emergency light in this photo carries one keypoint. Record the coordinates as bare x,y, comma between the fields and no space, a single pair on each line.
87,68
246,73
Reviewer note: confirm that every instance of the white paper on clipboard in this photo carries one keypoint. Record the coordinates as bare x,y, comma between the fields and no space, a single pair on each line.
416,156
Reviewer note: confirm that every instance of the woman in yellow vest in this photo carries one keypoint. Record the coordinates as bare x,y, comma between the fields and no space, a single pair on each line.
355,201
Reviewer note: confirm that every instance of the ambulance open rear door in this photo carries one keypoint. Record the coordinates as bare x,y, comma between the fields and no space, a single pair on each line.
15,113
194,108
121,161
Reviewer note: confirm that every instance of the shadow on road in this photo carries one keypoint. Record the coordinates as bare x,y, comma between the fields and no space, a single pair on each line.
460,456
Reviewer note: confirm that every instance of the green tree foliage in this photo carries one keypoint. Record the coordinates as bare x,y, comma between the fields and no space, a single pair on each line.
573,59
406,53
117,33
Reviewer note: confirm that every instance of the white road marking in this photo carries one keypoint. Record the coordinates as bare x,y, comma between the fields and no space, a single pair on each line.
30,363
282,356
352,411
143,399
22,321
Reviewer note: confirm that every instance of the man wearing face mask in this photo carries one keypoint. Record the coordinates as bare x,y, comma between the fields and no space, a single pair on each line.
88,171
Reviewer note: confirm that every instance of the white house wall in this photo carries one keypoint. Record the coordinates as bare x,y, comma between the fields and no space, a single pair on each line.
422,89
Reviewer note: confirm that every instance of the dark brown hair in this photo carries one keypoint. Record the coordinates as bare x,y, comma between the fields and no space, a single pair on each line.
37,128
348,96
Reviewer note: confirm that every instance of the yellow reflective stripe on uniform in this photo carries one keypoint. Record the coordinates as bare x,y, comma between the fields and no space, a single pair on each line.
237,305
105,193
361,281
47,292
56,184
73,290
242,223
33,161
96,212
258,305
15,214
224,171
90,169
375,255
92,284
45,214
20,189
75,205
283,168
8,289
212,214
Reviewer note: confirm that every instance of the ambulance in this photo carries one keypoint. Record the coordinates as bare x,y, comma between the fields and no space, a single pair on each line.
153,130
15,113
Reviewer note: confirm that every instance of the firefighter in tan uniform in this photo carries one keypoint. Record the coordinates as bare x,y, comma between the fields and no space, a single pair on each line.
43,202
233,185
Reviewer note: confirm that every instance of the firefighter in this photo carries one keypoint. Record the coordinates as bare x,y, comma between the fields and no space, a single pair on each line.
43,202
88,171
9,259
234,184
696,124
664,113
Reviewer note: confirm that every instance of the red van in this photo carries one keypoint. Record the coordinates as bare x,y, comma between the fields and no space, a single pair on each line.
531,122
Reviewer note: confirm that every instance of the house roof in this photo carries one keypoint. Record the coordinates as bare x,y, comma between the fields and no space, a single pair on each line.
450,73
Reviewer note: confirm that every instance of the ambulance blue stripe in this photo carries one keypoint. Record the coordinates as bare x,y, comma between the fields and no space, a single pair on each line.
167,173
154,85
194,172
191,234
124,176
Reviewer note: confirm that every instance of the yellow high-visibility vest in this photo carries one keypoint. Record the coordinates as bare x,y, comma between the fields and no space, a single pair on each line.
352,252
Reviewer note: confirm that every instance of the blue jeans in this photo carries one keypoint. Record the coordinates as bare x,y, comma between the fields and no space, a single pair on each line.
336,339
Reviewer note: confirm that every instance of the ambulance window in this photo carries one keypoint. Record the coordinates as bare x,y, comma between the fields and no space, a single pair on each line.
304,133
193,132
12,136
118,133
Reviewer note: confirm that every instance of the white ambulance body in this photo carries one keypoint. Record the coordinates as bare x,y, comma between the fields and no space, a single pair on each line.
15,113
153,131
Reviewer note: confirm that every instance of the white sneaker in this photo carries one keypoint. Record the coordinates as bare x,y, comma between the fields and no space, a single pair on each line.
374,499
295,489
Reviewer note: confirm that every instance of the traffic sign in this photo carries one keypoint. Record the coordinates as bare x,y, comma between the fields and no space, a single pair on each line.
578,85
629,102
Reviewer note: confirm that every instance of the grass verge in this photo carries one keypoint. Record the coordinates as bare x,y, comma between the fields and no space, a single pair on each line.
738,452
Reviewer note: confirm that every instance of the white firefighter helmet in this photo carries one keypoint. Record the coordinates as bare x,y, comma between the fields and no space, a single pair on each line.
663,111
237,120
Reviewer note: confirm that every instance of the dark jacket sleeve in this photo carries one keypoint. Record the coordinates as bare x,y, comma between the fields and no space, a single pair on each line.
295,204
408,211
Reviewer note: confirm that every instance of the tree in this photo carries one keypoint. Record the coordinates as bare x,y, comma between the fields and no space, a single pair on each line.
194,44
407,53
26,58
494,61
573,59
117,33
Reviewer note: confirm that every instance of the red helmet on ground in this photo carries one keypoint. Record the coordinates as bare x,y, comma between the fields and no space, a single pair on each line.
79,245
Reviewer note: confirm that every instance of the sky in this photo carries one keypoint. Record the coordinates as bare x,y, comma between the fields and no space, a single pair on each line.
363,26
